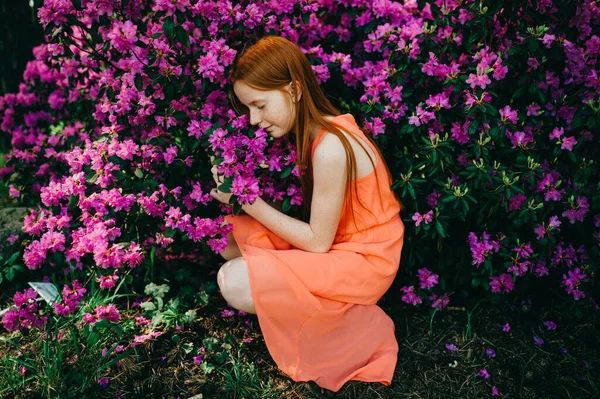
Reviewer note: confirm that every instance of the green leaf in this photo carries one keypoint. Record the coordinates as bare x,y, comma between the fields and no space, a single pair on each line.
12,259
221,357
182,36
591,122
207,368
286,204
138,173
180,115
286,172
225,187
138,82
450,198
439,228
472,129
169,27
10,273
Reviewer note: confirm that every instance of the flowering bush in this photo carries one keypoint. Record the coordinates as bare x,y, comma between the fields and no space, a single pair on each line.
485,114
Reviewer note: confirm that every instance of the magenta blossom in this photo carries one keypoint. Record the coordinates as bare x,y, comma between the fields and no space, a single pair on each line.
502,284
426,278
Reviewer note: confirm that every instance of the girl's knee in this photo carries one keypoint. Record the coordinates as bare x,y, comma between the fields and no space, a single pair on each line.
234,284
224,275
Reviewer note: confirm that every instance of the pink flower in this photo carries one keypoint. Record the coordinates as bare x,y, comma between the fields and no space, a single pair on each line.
550,325
451,347
568,143
508,114
170,154
103,382
227,313
484,373
426,278
481,80
439,302
13,192
410,296
503,283
107,282
548,39
108,312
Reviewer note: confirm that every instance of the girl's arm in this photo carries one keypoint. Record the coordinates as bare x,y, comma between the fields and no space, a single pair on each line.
329,173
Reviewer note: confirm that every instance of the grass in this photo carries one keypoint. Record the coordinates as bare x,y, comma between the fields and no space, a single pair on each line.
565,366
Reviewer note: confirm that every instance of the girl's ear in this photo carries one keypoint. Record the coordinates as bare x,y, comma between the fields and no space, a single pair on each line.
295,91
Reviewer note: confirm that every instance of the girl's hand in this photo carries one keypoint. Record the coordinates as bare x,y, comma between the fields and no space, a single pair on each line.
220,196
215,192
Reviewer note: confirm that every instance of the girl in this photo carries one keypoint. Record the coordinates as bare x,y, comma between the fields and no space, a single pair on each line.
314,284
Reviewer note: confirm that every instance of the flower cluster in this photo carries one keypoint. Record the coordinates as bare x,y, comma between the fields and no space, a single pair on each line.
71,297
26,313
119,113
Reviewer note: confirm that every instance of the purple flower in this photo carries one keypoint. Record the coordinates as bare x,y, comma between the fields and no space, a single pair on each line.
480,250
516,202
227,313
490,352
495,391
557,133
550,325
451,347
568,143
577,211
108,312
103,382
533,109
571,282
439,302
426,278
507,114
484,373
502,284
410,296
198,359
418,218
538,341
548,39
506,327
481,80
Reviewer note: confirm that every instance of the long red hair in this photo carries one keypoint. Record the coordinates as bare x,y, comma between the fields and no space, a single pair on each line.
271,64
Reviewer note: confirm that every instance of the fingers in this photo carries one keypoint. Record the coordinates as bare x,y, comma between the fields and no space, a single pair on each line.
215,194
218,195
218,179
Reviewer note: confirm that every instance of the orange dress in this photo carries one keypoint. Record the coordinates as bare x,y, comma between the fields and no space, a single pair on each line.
318,312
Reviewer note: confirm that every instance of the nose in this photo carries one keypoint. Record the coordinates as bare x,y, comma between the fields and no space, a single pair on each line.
255,117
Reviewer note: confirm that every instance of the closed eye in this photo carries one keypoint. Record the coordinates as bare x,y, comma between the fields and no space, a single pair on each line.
261,107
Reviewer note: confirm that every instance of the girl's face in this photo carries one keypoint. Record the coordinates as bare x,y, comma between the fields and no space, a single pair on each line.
270,109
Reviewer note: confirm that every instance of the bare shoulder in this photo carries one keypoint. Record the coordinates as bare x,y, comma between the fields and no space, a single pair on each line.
330,151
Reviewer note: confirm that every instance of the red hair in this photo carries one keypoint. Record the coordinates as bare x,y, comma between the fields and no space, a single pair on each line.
271,64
